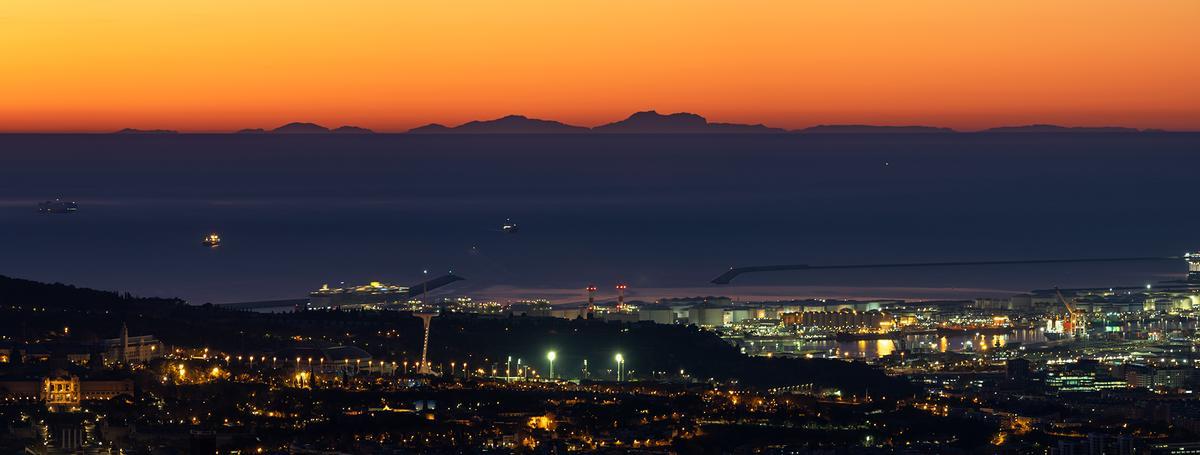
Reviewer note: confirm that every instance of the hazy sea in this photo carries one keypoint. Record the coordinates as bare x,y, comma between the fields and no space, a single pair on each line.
663,213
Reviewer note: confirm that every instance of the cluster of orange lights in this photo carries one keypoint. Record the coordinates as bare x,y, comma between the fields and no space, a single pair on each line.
620,287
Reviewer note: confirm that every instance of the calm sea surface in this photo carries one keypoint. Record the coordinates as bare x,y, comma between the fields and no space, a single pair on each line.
663,213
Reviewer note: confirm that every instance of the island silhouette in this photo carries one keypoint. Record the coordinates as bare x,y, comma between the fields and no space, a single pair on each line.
510,124
653,122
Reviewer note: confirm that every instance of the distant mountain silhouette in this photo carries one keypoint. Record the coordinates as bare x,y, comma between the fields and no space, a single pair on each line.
652,122
349,129
300,128
1060,129
138,131
307,128
680,122
743,128
512,124
873,129
432,128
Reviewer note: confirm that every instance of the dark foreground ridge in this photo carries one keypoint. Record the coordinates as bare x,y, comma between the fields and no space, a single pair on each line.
647,346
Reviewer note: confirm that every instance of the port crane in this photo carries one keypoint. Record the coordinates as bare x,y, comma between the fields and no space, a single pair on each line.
1075,323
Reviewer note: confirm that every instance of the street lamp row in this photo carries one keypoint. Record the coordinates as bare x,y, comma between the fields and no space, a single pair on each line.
619,358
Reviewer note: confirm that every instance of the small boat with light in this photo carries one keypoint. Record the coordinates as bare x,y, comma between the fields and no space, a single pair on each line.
212,240
58,206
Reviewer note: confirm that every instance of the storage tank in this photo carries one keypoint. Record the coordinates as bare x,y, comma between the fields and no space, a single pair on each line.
707,316
657,315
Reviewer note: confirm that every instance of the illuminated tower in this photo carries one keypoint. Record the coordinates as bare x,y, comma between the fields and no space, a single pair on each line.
621,297
591,308
1193,260
124,355
426,318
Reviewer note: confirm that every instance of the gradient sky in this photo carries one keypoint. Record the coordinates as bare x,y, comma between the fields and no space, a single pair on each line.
86,65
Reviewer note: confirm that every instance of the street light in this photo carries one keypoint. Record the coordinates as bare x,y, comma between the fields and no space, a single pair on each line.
424,284
551,356
620,365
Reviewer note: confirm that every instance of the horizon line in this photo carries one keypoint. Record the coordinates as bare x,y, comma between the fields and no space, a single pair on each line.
765,129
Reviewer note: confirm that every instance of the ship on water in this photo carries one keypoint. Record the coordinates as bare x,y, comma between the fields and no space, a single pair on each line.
212,240
58,206
372,296
510,227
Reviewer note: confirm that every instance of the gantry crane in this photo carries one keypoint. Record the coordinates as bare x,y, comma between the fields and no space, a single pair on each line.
1075,323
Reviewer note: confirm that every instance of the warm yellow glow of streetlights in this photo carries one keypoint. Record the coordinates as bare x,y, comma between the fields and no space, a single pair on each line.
620,366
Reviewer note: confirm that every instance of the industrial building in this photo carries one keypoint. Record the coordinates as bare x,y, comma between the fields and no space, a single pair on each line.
708,315
838,320
657,315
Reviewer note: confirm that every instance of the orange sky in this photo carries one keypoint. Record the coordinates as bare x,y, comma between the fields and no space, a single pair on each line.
86,65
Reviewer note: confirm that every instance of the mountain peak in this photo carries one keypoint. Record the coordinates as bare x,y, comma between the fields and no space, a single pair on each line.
351,129
874,129
1047,128
430,128
509,124
141,131
300,128
680,122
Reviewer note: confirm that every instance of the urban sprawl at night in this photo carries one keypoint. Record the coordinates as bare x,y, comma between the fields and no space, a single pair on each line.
379,368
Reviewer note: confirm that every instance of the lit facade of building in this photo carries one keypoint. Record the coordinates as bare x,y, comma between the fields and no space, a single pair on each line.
65,392
127,349
61,392
844,319
1193,260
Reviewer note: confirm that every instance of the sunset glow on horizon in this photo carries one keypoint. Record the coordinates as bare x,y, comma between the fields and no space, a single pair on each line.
78,65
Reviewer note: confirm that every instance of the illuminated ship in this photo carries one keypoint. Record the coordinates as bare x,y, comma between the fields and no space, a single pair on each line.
372,296
212,240
510,227
58,206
